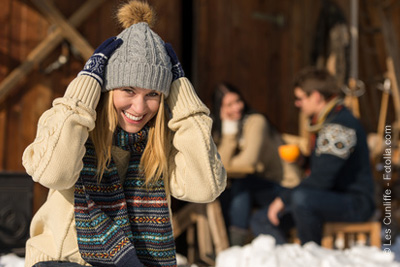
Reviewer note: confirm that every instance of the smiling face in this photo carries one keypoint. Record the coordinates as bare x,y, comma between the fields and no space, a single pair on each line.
135,107
232,107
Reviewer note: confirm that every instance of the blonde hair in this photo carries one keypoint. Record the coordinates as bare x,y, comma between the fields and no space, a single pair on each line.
154,161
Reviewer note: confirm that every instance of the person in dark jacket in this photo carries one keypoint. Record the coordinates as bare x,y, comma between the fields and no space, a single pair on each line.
339,187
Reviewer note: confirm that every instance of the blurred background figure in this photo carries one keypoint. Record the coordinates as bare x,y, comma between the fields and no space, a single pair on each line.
339,187
248,145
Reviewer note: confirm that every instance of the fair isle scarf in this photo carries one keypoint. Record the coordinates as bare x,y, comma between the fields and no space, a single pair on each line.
122,224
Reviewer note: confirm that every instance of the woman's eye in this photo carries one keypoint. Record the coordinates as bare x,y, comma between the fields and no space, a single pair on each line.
153,94
127,90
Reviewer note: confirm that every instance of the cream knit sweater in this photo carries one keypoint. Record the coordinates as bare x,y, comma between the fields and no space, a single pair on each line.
54,160
259,151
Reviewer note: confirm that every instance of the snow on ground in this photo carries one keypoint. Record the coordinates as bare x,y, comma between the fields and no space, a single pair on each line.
262,252
11,260
396,249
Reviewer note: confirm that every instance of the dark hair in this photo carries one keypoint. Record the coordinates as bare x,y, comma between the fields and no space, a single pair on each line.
220,91
314,79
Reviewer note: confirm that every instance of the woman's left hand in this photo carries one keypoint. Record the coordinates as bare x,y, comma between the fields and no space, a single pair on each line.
177,70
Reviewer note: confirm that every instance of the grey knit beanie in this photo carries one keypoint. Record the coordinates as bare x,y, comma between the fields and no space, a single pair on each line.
142,60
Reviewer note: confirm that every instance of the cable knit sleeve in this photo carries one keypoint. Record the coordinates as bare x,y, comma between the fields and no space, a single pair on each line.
54,159
196,170
254,134
250,147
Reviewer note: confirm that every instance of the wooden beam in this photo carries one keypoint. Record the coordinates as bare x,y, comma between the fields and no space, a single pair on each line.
376,151
184,218
3,125
68,31
44,48
351,100
217,226
393,66
396,98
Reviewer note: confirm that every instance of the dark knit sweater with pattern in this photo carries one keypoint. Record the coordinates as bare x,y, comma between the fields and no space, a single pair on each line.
340,158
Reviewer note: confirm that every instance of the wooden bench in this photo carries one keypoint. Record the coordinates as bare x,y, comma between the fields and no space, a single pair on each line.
207,219
343,235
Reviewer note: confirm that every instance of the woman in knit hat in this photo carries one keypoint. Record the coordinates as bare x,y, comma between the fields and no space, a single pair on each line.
129,132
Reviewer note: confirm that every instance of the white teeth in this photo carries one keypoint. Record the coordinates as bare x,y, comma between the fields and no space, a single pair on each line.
134,118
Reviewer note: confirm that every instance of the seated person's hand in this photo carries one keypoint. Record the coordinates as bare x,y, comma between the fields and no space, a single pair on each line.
274,209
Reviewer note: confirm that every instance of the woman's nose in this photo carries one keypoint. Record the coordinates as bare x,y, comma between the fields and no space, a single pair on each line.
139,105
237,107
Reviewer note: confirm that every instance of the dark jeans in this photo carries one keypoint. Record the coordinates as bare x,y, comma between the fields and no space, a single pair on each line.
56,264
308,210
242,196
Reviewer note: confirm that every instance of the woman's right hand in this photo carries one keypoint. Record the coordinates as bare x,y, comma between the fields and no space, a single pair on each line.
95,66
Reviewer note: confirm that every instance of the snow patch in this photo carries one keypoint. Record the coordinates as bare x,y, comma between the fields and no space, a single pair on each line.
263,252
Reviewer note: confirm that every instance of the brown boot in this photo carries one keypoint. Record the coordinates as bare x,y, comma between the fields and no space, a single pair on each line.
237,236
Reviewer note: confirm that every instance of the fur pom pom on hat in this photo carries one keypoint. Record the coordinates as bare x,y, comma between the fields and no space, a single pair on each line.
142,60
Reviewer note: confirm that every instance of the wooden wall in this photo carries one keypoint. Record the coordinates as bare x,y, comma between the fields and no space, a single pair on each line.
242,42
23,28
258,45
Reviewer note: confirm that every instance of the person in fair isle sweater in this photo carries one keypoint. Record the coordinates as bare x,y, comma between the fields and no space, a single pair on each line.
129,132
339,186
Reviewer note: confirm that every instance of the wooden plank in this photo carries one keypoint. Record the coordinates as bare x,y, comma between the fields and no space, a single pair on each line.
5,11
368,67
15,53
30,114
293,37
354,39
205,245
376,152
351,100
200,29
393,65
185,217
396,96
217,226
31,111
3,125
44,49
36,56
392,61
375,235
170,32
13,159
373,229
191,244
68,31
239,172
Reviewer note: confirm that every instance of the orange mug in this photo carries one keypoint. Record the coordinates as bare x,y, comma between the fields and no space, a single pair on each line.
289,153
